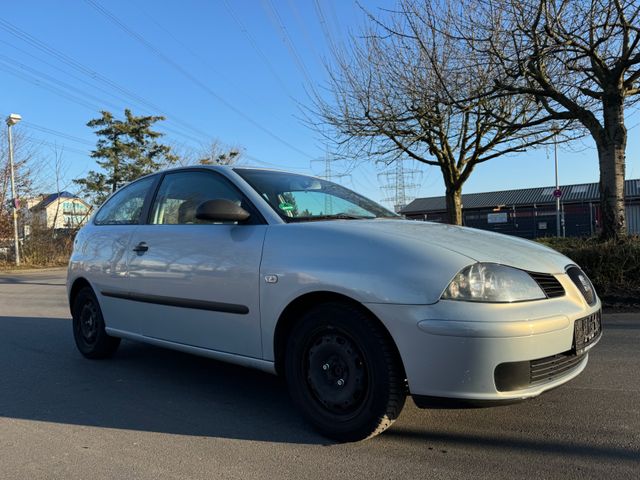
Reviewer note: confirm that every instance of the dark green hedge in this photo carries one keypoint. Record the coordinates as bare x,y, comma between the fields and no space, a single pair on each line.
613,266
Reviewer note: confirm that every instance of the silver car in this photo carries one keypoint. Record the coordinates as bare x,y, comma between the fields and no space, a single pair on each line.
354,306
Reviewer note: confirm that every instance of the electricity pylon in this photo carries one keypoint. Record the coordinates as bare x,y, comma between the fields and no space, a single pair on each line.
396,183
330,176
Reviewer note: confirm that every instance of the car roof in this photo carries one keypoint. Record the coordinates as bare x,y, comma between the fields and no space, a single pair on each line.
223,167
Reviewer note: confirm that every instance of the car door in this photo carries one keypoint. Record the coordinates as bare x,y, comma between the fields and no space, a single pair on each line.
197,282
104,252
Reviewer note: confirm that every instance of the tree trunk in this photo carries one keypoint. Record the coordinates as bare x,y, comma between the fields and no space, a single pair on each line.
611,156
454,205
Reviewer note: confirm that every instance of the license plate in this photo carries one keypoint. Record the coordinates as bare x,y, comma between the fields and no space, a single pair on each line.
587,331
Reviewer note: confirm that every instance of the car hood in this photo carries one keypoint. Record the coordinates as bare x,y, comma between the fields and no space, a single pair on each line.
477,245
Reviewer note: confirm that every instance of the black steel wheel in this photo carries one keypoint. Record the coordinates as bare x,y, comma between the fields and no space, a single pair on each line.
343,372
88,327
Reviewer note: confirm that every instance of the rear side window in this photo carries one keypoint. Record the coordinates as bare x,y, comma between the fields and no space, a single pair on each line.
125,206
181,193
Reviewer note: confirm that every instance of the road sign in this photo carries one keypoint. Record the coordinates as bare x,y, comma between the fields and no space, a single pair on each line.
557,193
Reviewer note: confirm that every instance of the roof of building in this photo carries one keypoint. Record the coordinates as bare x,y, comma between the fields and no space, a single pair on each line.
52,197
583,192
49,198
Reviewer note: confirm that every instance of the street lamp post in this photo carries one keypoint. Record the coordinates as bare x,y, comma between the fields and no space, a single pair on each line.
555,155
11,121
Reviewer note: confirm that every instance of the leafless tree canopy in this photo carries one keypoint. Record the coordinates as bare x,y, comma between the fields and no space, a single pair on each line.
213,153
410,89
579,59
26,166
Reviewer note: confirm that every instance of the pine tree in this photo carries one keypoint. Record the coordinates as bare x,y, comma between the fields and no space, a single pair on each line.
125,150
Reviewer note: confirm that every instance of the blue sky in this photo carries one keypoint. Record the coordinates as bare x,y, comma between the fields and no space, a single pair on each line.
235,71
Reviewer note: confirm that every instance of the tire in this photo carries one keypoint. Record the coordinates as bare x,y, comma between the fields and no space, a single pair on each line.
88,327
343,373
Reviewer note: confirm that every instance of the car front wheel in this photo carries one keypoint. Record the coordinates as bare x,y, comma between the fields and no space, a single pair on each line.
343,372
88,327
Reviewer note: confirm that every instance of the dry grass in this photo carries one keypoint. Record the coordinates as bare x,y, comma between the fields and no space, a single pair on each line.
43,248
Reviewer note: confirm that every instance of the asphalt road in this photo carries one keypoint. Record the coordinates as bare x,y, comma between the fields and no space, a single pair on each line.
150,413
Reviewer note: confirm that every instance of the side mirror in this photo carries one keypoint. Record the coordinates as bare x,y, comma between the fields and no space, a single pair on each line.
221,210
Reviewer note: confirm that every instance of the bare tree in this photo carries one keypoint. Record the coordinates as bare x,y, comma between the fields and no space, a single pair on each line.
213,153
408,89
50,240
59,168
216,154
25,173
580,60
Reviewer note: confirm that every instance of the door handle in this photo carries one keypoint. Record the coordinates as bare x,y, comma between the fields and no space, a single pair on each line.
141,247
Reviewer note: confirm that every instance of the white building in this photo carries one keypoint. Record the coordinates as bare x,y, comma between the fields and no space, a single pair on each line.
56,211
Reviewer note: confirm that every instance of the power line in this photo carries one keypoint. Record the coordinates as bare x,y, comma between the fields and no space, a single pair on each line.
64,71
79,101
95,76
33,126
202,60
257,49
323,25
39,83
51,131
44,81
195,80
36,78
329,174
60,146
55,81
27,38
74,88
332,12
303,28
286,38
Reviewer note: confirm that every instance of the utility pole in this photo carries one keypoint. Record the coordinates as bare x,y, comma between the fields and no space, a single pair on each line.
13,119
396,183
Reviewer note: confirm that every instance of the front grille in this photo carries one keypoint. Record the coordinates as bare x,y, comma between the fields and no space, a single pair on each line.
549,284
583,283
518,375
547,369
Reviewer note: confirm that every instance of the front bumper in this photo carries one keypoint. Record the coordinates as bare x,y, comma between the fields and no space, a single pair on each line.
452,349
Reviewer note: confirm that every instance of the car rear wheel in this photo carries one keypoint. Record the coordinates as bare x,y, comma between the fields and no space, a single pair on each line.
88,327
343,372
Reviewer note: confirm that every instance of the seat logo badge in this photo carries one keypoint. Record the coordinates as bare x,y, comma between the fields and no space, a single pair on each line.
271,278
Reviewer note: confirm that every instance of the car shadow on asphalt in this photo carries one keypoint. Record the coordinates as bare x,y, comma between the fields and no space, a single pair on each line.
146,388
142,387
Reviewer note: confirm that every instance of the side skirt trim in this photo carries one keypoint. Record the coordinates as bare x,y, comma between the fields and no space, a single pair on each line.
251,362
179,302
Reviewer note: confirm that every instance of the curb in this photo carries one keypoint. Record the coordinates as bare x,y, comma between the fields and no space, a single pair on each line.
32,270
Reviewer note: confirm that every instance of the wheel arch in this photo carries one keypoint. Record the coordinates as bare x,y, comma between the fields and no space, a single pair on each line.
303,303
78,284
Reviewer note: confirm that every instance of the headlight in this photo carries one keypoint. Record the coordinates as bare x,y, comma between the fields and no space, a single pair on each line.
490,282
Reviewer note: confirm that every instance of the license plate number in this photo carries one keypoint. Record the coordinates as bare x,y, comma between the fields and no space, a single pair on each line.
587,331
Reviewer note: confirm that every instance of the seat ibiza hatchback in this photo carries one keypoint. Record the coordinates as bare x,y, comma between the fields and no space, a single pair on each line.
354,306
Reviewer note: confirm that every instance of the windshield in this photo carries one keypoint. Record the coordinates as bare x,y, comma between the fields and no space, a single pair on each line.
302,198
